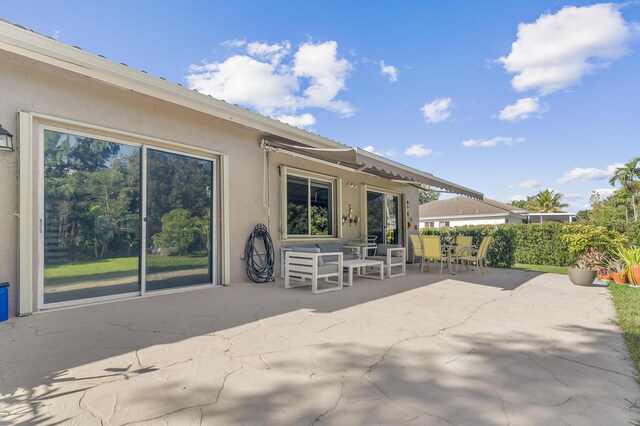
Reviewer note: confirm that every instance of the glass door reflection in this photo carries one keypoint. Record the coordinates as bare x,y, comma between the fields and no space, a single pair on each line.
179,220
91,232
383,222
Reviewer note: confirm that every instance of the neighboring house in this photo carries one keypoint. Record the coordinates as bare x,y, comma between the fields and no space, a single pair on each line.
551,217
123,184
460,211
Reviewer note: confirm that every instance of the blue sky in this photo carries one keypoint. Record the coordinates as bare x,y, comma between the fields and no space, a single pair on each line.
506,97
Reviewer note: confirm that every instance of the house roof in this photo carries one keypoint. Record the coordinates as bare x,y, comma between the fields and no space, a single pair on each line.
30,44
464,206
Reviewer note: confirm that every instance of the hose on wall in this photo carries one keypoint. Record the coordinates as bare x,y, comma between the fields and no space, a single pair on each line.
258,252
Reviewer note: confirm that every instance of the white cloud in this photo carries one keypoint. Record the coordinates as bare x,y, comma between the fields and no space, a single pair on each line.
491,143
327,74
518,198
558,49
243,80
437,110
390,71
529,183
236,42
303,120
268,79
388,153
572,197
418,150
589,173
270,52
522,109
604,192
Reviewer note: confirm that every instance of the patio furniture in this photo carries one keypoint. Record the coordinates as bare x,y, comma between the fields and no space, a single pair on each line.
462,246
324,248
478,256
303,264
366,268
416,242
362,246
432,250
393,256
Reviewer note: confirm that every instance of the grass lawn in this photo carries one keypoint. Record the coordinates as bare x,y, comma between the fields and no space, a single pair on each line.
541,268
626,299
119,267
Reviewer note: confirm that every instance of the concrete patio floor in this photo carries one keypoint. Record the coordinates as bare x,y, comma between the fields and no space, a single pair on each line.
509,348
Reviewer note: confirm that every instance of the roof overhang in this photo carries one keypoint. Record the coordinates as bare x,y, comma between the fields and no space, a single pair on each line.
471,216
37,47
361,161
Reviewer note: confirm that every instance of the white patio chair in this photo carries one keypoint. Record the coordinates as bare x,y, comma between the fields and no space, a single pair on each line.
308,265
393,256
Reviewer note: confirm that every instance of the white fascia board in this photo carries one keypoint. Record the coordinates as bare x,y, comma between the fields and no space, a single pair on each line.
42,49
466,216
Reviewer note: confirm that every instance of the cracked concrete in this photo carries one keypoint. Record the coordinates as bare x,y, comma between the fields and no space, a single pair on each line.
512,347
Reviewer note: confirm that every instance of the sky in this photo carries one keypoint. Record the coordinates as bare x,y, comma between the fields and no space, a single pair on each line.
505,97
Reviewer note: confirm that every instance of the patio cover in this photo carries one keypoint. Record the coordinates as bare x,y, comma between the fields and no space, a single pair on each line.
363,161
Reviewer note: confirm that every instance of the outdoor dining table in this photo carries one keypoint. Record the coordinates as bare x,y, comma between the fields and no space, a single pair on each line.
449,249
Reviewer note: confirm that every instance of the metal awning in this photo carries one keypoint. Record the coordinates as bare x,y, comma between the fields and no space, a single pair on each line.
362,161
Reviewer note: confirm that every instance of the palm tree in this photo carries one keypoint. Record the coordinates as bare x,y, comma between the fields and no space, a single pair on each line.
626,176
545,202
519,203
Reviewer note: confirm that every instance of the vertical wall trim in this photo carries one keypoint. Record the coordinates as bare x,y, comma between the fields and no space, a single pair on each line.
26,258
225,219
339,208
283,203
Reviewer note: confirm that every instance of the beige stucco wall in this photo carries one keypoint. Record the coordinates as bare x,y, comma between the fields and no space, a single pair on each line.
33,87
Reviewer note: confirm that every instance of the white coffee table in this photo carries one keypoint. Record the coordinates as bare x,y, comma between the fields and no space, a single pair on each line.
360,265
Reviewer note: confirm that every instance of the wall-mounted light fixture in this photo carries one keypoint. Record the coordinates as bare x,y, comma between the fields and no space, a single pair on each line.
350,217
352,185
6,139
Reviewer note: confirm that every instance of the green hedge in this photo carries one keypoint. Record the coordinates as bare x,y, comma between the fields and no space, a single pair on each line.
542,244
631,230
501,251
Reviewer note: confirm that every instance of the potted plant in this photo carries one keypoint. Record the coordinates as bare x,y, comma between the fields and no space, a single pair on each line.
631,257
617,270
584,273
604,274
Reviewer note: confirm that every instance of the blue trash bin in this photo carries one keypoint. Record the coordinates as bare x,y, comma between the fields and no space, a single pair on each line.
4,301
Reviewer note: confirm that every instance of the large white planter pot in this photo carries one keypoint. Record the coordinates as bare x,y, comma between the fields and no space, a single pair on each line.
582,277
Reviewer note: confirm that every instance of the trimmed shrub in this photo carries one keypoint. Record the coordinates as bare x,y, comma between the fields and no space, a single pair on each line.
547,243
581,237
542,244
501,251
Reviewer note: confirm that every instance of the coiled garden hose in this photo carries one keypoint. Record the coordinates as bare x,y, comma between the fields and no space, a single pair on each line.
258,254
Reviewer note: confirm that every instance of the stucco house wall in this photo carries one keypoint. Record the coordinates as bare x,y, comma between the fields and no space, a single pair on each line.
34,87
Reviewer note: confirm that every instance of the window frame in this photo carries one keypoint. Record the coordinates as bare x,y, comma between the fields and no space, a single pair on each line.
31,249
402,211
335,184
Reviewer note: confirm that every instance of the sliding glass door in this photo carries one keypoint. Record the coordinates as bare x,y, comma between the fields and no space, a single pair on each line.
383,217
179,221
100,200
91,224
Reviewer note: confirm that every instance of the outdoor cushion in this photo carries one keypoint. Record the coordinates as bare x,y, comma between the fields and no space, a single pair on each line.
327,269
335,248
383,258
330,247
382,250
308,249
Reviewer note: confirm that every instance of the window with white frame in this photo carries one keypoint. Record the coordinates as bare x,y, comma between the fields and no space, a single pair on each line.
310,205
